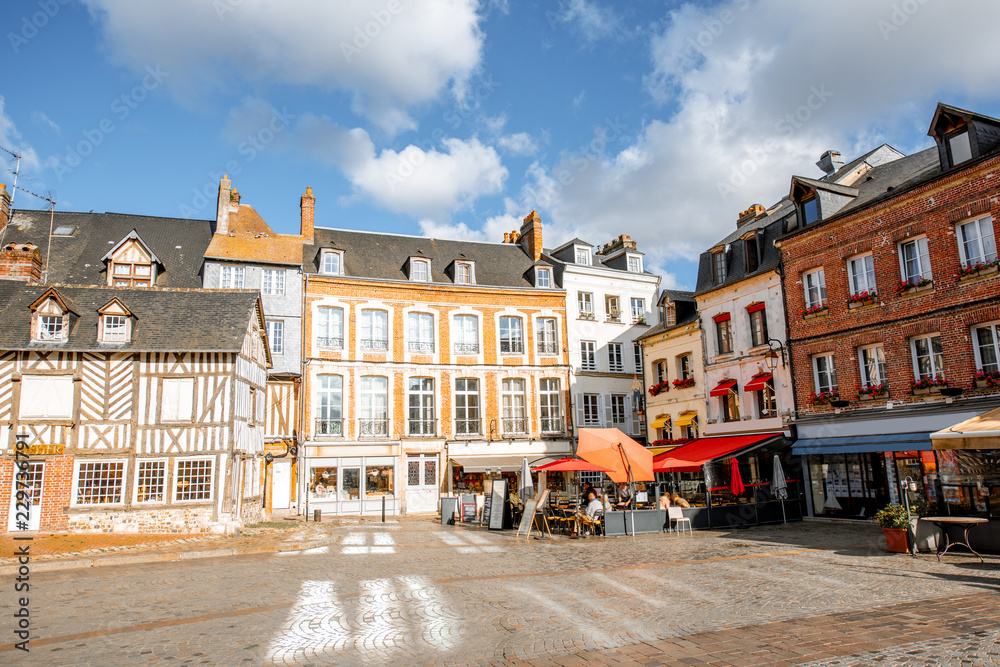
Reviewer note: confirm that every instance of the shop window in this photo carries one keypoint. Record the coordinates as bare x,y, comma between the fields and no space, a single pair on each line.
193,480
150,481
323,484
379,481
99,482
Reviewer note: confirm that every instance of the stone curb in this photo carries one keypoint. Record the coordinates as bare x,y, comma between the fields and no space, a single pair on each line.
54,565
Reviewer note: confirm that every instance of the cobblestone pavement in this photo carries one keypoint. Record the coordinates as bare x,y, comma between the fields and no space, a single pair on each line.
416,592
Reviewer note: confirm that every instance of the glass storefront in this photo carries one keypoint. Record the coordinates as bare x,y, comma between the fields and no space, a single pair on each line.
352,485
848,485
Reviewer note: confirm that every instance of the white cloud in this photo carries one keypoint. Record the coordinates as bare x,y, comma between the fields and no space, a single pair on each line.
11,139
592,20
421,181
578,100
390,54
750,98
520,143
41,118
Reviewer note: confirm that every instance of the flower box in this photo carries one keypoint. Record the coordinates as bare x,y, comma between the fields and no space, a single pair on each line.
909,288
659,388
863,303
814,312
684,384
824,398
986,380
873,397
967,274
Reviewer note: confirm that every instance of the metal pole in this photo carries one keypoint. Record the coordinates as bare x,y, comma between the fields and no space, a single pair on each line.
383,509
911,535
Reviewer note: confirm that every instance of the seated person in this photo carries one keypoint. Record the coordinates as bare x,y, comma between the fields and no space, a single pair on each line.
592,511
680,502
665,501
624,495
583,496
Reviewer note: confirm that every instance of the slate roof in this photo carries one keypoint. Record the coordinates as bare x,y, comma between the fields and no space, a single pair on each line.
386,257
165,320
686,308
251,238
76,259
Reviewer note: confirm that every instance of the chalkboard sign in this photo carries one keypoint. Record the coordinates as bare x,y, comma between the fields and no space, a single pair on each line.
487,507
527,517
499,497
469,512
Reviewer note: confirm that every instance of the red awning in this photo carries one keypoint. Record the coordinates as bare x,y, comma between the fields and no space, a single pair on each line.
723,388
691,456
757,382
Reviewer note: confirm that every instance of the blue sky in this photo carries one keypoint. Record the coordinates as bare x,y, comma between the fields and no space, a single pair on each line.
456,118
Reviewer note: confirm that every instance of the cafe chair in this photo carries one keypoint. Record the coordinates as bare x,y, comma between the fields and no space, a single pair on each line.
677,519
594,526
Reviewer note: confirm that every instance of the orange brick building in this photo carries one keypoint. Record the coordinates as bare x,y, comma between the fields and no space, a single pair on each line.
429,365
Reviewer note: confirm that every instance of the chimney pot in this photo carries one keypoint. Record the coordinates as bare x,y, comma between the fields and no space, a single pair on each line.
308,206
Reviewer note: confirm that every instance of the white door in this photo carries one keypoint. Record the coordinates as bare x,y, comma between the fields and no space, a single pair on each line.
26,498
421,483
281,485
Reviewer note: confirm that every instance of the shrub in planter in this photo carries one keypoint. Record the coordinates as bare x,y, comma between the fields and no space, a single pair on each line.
892,519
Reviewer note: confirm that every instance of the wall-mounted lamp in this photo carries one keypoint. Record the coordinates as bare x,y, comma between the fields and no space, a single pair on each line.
771,357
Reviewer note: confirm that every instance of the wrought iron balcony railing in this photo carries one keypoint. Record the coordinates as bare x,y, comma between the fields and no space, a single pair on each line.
329,427
332,343
374,344
373,427
467,427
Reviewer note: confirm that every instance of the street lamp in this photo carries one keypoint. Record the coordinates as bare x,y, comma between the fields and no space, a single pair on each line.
771,357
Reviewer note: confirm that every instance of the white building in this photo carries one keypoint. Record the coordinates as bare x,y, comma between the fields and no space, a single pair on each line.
610,301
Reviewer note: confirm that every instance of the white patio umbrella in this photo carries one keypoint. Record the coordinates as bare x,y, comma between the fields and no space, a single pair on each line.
779,487
526,489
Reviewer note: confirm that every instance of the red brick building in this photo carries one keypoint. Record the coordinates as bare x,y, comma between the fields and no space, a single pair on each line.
891,286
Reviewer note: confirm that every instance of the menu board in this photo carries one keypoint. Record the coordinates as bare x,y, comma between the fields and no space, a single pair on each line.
498,497
487,508
469,512
527,517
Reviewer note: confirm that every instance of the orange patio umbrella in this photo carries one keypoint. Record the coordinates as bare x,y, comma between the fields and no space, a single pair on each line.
614,450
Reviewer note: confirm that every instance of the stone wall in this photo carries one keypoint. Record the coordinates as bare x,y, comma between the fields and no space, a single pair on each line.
187,520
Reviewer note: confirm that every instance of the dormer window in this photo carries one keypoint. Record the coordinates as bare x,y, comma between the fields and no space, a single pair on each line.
331,263
543,278
50,327
465,273
750,249
114,329
420,270
50,317
582,255
719,266
115,324
634,264
959,147
131,263
809,209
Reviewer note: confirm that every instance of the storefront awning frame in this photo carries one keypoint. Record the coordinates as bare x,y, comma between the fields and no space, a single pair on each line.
864,444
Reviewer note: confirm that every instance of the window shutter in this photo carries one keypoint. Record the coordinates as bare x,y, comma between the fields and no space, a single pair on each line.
925,259
604,408
579,410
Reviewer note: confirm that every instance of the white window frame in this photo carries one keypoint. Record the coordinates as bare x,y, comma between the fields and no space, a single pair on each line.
719,268
420,332
863,281
550,404
327,257
51,327
617,403
830,372
424,274
460,333
477,409
231,277
79,463
616,358
637,358
638,309
634,263
936,365
272,282
513,404
585,303
875,351
588,355
985,241
684,370
818,278
162,463
175,482
543,278
470,273
115,328
547,335
330,399
276,335
922,257
962,141
588,401
425,408
582,255
373,398
368,321
510,336
327,325
57,399
994,345
185,387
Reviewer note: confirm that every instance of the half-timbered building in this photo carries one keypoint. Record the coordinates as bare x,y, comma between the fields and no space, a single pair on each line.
140,410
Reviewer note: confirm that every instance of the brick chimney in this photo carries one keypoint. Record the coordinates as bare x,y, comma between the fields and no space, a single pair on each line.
225,198
4,205
623,241
21,261
530,236
308,215
750,215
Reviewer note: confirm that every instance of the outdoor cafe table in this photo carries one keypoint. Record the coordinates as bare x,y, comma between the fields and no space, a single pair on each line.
964,522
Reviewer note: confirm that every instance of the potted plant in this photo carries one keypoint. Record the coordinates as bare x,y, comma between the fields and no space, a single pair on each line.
914,285
928,385
659,387
893,521
810,312
862,299
976,269
869,392
824,397
684,383
986,379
